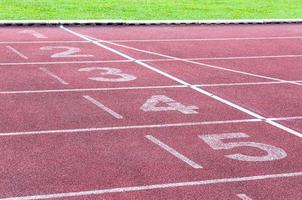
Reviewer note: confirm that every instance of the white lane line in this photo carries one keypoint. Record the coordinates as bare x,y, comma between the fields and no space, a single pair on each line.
202,91
247,57
91,89
156,40
145,126
17,52
103,107
226,58
208,39
173,152
135,88
156,186
244,83
43,42
244,197
152,126
284,118
46,71
149,60
65,62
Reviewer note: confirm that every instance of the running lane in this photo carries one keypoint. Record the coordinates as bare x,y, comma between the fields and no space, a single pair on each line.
62,163
52,76
53,111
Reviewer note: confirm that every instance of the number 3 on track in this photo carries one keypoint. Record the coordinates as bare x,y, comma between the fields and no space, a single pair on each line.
108,74
216,142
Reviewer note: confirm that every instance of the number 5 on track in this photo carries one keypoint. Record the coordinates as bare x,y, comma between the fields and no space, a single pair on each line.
215,141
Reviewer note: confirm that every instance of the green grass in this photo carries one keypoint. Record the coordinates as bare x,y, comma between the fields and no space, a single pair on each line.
149,9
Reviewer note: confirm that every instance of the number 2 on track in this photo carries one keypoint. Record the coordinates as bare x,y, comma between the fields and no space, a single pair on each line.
69,52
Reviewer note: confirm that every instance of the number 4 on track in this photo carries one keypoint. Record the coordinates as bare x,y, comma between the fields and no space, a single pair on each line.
151,105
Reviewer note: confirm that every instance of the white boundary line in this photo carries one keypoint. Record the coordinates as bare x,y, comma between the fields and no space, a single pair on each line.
138,87
63,62
202,91
158,40
245,83
80,130
149,60
17,52
226,58
91,89
173,152
208,39
146,22
42,42
103,107
156,186
49,73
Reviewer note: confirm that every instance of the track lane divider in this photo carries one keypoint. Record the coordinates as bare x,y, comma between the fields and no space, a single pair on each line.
79,130
156,186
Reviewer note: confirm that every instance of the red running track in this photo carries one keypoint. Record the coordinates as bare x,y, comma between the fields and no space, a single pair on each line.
158,112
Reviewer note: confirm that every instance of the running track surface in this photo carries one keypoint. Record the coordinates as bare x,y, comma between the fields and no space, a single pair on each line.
159,112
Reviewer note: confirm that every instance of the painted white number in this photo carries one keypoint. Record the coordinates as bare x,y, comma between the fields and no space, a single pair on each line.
151,105
107,73
70,52
215,141
34,33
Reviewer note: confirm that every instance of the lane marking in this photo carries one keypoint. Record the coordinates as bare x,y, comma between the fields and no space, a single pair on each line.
245,83
173,152
43,42
136,87
150,60
156,186
65,62
223,58
247,57
103,107
284,118
91,89
17,52
202,91
46,71
158,40
208,39
145,126
244,197
127,127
